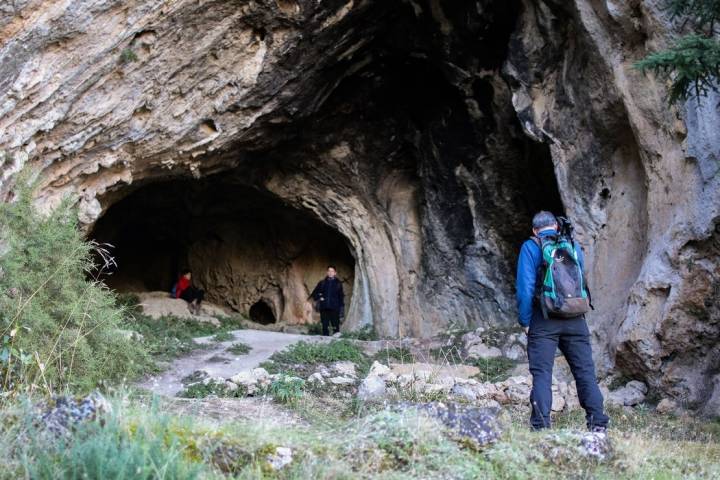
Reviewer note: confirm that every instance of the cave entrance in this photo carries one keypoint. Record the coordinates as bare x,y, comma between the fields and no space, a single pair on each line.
240,242
261,312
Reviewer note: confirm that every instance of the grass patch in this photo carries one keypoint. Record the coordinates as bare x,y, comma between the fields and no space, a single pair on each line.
169,337
494,369
222,337
239,348
366,333
394,355
301,358
287,390
142,440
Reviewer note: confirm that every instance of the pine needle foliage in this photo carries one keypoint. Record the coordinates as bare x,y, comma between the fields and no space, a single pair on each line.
692,63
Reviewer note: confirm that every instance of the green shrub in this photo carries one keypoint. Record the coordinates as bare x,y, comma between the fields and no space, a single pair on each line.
494,369
239,348
111,450
127,56
314,353
202,390
222,337
286,390
366,333
59,325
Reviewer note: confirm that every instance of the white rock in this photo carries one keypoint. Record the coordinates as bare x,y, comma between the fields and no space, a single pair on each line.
316,378
464,391
342,380
372,388
230,386
631,394
260,373
558,402
515,352
435,388
244,378
481,350
518,393
379,370
281,458
345,369
405,380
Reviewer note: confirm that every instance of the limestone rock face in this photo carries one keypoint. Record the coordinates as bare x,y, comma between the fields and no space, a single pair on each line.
409,142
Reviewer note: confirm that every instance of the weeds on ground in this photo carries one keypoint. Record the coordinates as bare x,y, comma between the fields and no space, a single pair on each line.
222,337
494,369
366,333
206,389
286,390
394,355
239,348
169,337
301,358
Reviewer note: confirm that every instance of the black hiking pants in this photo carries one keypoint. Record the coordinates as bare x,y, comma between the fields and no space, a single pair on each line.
328,317
573,339
191,293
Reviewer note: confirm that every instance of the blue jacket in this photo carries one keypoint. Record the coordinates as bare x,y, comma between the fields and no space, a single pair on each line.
529,262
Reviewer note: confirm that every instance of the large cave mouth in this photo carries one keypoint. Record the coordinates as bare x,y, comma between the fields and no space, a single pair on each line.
248,250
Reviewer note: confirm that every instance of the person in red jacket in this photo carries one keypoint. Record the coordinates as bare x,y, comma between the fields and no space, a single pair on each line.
184,289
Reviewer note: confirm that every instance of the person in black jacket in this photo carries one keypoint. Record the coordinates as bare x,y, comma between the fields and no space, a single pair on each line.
330,301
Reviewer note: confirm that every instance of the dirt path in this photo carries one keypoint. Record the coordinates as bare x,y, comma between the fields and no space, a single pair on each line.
219,363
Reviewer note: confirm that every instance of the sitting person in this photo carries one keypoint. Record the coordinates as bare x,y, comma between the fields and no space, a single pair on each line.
184,289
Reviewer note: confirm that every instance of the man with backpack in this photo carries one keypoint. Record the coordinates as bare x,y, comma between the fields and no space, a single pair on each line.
552,298
330,300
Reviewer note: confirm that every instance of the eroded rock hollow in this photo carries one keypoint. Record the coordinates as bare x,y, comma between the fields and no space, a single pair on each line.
410,142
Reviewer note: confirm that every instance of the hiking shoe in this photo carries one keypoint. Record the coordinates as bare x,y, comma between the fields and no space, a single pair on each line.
598,429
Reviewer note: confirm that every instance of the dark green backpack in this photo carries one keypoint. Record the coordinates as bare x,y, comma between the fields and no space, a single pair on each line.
562,291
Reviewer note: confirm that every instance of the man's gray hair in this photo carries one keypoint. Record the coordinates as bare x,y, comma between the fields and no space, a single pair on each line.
543,219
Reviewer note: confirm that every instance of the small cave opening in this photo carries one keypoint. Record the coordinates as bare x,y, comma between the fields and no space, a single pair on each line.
260,312
240,242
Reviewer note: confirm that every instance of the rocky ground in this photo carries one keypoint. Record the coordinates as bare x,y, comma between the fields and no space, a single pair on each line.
297,406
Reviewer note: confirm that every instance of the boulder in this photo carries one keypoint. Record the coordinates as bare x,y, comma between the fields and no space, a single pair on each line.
316,378
342,380
481,350
346,369
474,426
64,413
516,352
160,304
379,370
372,388
280,458
466,392
666,405
631,394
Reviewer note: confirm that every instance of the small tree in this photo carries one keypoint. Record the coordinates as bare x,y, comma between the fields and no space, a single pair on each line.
692,63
